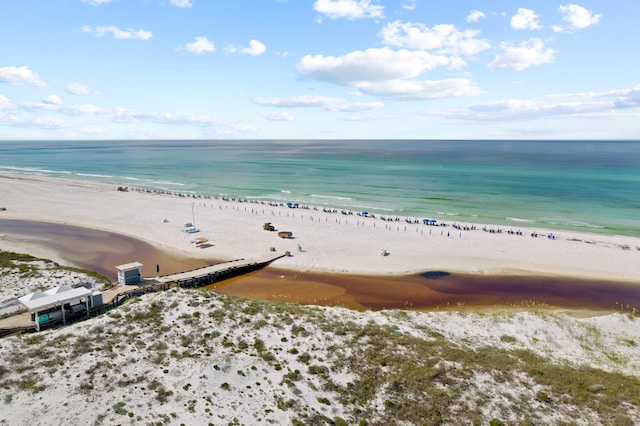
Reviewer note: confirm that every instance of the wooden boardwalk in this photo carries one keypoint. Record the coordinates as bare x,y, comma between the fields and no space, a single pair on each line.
215,272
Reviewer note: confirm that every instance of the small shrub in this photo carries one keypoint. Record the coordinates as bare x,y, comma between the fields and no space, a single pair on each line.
293,375
508,339
543,397
318,369
324,401
119,408
304,358
33,340
597,388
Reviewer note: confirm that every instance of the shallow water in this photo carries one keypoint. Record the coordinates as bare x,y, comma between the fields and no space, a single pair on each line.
101,251
97,250
589,186
438,291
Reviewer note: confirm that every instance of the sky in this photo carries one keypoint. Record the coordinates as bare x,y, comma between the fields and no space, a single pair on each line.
325,69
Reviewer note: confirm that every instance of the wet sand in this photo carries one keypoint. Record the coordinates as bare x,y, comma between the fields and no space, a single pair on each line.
101,251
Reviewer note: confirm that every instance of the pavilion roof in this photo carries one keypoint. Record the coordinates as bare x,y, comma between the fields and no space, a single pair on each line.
39,300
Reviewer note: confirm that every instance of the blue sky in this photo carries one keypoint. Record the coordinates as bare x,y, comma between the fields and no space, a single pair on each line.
325,69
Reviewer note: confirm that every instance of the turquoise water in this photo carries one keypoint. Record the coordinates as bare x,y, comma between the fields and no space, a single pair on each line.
579,185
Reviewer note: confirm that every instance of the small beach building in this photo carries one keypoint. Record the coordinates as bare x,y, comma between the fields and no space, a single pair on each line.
58,303
129,273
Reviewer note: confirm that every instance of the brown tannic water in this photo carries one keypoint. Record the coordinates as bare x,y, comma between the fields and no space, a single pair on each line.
95,250
102,251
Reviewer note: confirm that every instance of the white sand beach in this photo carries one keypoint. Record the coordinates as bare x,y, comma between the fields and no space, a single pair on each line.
194,357
322,242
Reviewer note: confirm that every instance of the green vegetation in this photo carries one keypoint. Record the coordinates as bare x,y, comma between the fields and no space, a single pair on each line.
119,408
317,366
22,264
27,266
8,259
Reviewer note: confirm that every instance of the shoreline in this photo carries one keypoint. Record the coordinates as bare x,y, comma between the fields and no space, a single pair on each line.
330,242
101,251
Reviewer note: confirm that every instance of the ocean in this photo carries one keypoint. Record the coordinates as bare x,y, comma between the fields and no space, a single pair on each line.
591,186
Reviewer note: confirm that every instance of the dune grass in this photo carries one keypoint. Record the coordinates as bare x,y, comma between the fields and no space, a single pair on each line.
195,355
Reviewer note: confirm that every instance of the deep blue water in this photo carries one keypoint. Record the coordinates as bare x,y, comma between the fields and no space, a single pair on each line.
580,185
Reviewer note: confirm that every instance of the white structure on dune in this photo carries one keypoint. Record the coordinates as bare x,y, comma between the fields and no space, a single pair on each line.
129,273
60,302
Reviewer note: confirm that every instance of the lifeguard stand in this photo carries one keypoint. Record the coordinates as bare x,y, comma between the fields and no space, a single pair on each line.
130,273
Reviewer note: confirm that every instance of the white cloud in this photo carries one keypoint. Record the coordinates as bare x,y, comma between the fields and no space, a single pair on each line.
79,89
37,122
371,65
96,2
626,98
602,104
348,9
583,95
388,73
5,103
182,3
528,53
255,49
117,33
299,101
475,16
200,45
409,5
123,115
525,19
115,115
49,104
20,75
526,109
327,103
420,90
577,17
52,100
276,116
356,107
443,38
